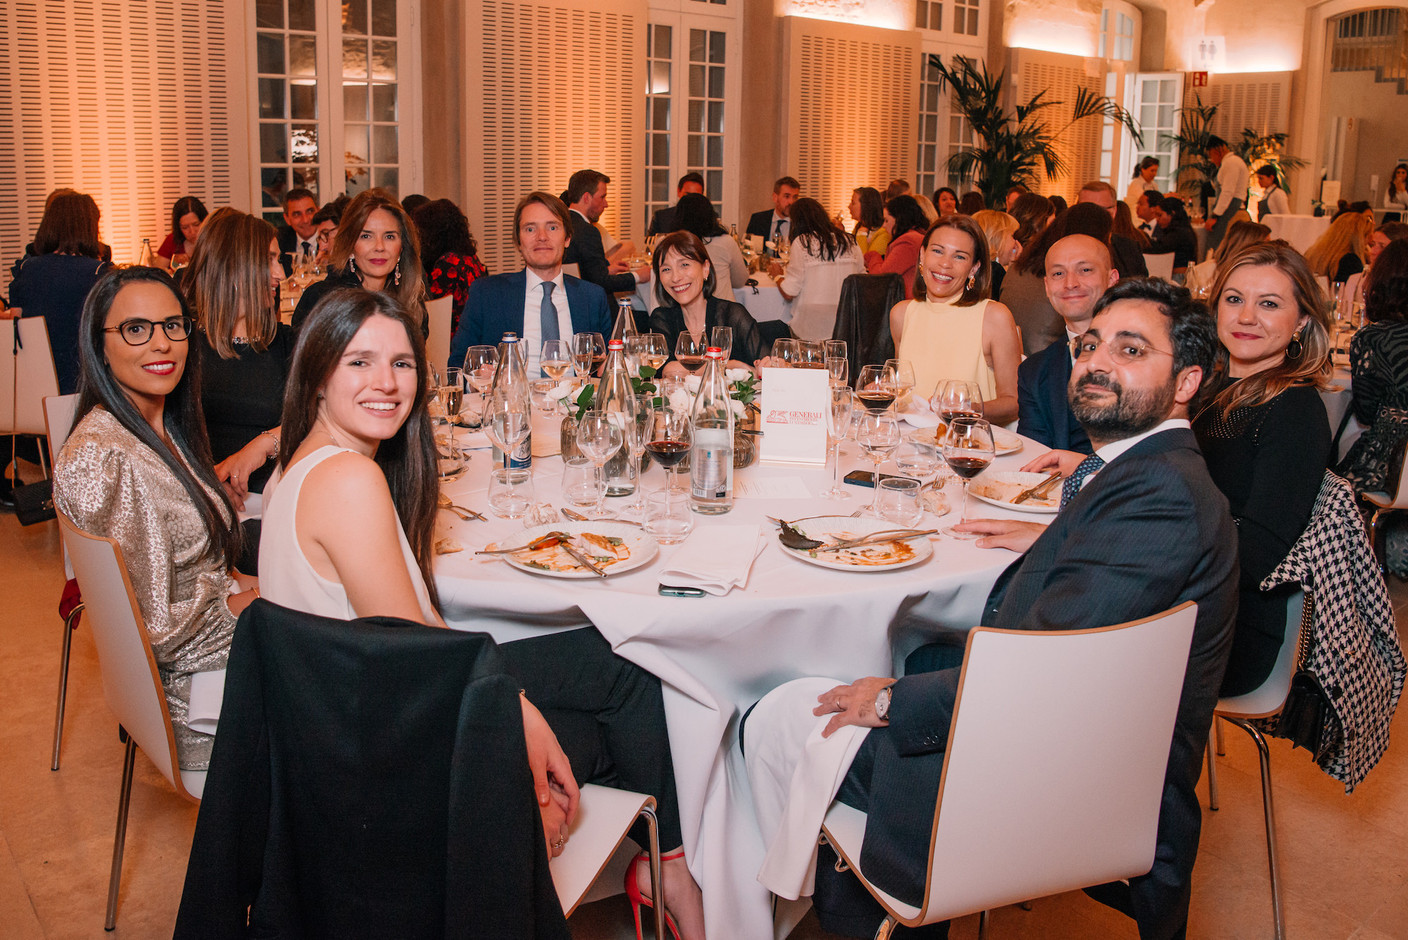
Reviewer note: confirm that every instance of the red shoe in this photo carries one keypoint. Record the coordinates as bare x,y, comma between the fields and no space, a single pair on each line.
634,895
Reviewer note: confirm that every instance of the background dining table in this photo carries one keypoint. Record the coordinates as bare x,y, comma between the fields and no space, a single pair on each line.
717,655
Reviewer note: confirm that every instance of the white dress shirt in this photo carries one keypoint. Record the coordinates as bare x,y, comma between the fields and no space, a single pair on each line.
785,235
1113,450
532,338
1232,180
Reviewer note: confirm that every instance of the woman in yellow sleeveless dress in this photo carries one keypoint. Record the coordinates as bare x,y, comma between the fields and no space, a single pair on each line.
951,330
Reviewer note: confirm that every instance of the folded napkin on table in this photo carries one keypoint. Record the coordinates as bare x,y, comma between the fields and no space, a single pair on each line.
472,439
207,695
716,559
917,414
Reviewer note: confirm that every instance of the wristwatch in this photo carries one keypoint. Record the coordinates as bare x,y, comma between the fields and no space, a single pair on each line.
882,704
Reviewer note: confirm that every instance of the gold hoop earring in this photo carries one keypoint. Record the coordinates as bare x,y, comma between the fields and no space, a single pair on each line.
972,279
1294,349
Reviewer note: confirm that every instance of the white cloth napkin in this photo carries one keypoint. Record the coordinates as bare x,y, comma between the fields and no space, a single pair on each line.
472,439
794,773
207,695
917,413
715,558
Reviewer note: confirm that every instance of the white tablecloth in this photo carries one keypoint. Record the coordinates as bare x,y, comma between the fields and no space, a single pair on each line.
718,655
1300,230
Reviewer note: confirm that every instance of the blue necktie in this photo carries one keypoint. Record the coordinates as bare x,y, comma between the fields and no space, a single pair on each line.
548,314
1084,470
776,238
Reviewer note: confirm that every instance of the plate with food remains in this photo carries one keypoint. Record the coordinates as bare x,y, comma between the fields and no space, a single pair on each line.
1001,487
614,547
1004,441
829,530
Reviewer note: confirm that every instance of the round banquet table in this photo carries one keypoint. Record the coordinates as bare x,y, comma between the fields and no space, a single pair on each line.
716,656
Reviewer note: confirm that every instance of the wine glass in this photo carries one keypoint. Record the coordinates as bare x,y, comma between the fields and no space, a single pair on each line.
904,376
556,359
810,355
968,449
957,398
788,350
834,348
722,337
839,416
669,445
838,370
633,347
875,387
639,432
598,438
921,461
689,350
452,394
588,351
878,434
653,351
507,421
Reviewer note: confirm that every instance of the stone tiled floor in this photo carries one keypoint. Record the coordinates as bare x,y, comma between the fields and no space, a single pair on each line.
1343,857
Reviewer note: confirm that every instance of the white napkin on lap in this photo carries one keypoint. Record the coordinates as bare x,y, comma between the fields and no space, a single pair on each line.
207,695
716,559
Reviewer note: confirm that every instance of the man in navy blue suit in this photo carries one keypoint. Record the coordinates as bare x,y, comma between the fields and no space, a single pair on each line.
775,224
1077,272
539,302
586,197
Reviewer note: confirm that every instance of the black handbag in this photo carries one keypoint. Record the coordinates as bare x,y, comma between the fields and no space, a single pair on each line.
1308,718
34,502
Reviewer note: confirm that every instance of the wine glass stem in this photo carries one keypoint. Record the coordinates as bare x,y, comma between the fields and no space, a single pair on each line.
963,516
600,508
836,466
875,500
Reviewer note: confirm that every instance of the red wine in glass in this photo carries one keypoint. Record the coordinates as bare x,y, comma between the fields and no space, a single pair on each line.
876,399
948,416
691,363
967,467
668,453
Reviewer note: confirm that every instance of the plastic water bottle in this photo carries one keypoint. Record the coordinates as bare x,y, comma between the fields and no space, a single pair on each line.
711,452
509,394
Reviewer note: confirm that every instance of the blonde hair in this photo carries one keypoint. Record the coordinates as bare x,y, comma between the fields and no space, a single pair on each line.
995,225
1312,367
1240,235
228,280
1347,234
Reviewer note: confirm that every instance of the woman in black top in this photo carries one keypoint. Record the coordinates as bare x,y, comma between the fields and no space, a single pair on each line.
246,353
1378,358
1265,435
684,285
1174,234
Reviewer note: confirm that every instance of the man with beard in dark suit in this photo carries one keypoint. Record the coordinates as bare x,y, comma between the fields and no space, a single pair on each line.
1142,529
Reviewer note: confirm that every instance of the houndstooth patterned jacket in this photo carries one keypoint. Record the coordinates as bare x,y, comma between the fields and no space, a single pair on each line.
1354,651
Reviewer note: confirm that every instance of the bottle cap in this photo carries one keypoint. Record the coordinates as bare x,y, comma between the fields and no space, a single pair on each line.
616,344
509,338
714,352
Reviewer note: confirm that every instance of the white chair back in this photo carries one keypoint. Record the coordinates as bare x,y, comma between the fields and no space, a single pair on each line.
130,680
604,816
26,375
1055,764
1160,265
437,346
58,424
1266,699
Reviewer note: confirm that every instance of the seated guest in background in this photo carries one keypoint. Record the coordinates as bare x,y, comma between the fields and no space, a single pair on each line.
695,214
774,224
951,330
298,234
821,258
999,227
1200,277
29,249
187,214
1396,192
1273,198
137,469
413,202
972,203
1175,235
586,197
1143,180
448,252
538,303
685,287
945,201
53,281
375,248
1124,226
1024,288
325,227
869,212
1033,213
906,225
897,187
1146,207
1014,192
1078,271
1344,247
1265,435
245,351
1128,259
1378,358
931,214
663,221
1353,290
1058,204
602,719
1147,532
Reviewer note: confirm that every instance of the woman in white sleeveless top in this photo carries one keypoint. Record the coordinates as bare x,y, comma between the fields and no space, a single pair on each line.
357,434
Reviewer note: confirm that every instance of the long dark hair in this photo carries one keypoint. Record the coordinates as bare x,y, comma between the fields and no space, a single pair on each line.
1083,218
69,226
1386,285
687,245
411,290
820,236
695,213
442,228
185,206
407,458
908,216
182,416
1032,212
872,208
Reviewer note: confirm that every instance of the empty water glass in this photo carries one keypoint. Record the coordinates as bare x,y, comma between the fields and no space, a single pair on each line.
580,484
510,492
899,501
667,517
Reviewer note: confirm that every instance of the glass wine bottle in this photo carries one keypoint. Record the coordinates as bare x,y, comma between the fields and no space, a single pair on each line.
616,396
711,453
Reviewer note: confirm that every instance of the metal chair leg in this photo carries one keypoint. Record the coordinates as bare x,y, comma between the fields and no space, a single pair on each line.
1264,754
1212,776
887,927
118,841
657,884
1217,736
983,919
63,682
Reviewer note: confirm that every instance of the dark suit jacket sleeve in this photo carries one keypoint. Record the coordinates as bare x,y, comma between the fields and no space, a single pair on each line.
586,252
1032,419
1122,551
470,332
589,307
288,240
1129,260
758,223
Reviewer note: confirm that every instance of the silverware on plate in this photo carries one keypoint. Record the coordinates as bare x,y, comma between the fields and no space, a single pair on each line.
1041,489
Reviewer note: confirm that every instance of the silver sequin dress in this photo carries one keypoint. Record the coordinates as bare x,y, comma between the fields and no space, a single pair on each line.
111,484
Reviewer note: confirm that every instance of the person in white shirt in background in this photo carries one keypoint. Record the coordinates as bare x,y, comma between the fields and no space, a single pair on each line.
1274,200
1232,180
1143,181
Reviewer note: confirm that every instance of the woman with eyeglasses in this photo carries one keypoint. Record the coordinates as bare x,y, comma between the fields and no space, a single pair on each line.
137,469
1265,434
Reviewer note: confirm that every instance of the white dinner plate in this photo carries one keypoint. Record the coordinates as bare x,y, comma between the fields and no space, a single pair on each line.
1005,441
643,548
825,527
1000,487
